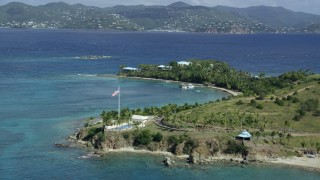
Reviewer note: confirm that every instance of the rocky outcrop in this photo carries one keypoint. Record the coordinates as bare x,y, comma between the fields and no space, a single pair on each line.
81,134
200,155
115,141
169,162
179,149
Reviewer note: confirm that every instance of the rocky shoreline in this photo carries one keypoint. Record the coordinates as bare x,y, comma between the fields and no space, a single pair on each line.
199,157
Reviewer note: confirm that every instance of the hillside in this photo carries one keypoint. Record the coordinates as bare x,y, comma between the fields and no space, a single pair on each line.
274,16
178,16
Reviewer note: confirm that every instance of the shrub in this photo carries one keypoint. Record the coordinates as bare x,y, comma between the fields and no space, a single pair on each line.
297,117
173,140
260,98
316,113
157,137
301,112
142,138
126,135
189,145
91,132
289,98
239,102
295,100
101,137
310,105
279,102
253,102
234,147
259,106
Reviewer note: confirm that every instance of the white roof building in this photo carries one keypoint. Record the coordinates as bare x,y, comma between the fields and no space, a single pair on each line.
184,63
142,120
163,67
130,69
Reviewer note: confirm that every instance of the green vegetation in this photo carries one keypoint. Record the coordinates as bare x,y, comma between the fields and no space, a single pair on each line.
143,137
157,137
210,72
93,131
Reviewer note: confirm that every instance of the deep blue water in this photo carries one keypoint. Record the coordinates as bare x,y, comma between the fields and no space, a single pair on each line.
46,91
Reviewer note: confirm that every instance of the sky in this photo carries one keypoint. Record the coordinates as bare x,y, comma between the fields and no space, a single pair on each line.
309,6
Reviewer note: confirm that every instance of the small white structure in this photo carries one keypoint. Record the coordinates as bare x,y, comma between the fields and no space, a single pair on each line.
130,69
165,68
142,120
184,63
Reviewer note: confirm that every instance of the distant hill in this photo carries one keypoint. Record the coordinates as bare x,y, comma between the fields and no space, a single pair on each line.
179,5
177,16
274,16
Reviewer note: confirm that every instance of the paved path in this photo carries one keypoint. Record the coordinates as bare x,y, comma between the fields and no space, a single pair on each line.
158,122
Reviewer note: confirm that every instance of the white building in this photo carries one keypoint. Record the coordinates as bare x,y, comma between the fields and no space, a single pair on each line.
142,120
165,68
130,69
184,63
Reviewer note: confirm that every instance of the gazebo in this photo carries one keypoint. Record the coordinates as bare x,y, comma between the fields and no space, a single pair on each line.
244,135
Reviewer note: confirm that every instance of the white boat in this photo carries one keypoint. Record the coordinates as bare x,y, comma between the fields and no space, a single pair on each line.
187,86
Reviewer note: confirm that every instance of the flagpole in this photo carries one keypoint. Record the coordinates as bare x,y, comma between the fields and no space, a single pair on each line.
119,103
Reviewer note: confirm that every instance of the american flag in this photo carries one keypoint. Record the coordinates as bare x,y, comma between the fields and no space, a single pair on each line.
116,92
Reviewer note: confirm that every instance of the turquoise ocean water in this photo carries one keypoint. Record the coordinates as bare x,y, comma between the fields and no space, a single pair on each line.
47,89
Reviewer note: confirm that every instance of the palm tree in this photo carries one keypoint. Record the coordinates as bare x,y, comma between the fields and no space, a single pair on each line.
318,147
289,136
303,144
273,133
194,121
286,125
258,134
121,68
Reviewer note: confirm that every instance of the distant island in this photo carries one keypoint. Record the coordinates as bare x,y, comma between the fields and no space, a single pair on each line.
176,17
275,119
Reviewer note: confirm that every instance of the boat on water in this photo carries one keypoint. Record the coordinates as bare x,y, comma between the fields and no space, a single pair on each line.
187,86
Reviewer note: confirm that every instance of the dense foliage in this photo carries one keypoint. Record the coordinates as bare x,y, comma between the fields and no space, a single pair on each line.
235,147
145,137
210,72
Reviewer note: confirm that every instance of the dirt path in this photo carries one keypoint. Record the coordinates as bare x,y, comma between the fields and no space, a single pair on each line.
300,90
305,134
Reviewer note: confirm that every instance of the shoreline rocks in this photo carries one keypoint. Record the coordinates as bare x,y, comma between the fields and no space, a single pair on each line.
169,162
